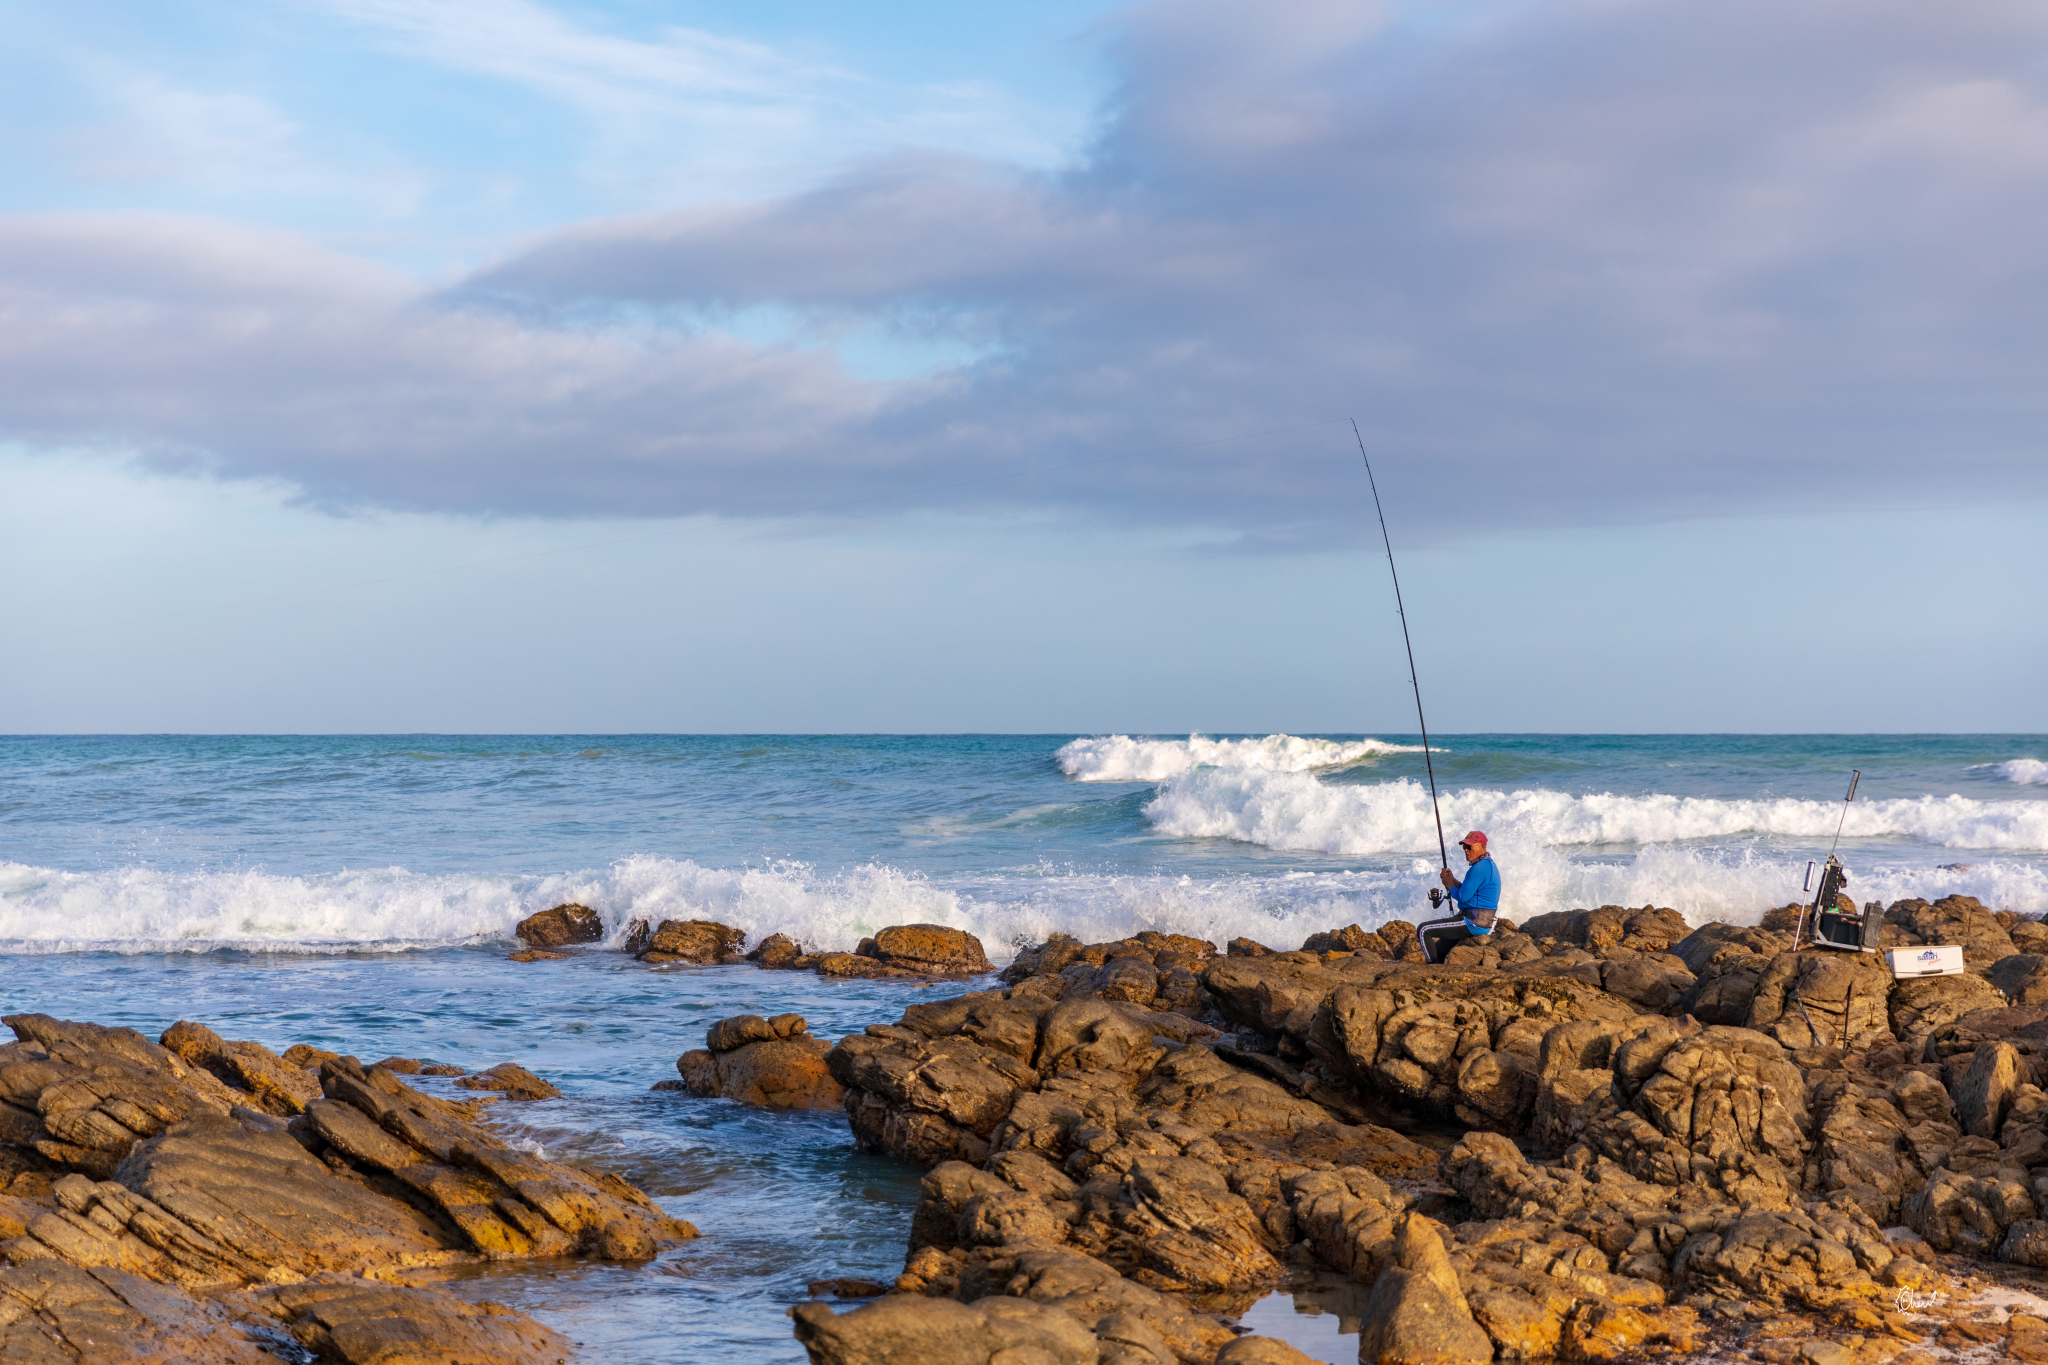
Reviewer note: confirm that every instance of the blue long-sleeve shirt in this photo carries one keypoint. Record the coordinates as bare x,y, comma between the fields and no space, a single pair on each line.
1478,895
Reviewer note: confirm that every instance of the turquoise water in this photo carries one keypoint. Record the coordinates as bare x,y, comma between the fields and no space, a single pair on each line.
358,892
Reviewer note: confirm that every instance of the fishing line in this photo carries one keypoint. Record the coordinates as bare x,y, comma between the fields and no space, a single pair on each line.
1443,850
659,535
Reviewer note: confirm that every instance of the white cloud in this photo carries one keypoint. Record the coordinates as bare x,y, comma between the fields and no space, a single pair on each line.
1602,261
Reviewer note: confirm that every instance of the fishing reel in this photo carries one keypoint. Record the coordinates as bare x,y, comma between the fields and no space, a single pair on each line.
1436,897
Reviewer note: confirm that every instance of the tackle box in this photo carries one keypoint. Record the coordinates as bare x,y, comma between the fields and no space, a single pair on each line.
1935,959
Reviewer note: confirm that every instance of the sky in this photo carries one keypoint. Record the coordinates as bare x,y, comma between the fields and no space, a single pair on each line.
497,365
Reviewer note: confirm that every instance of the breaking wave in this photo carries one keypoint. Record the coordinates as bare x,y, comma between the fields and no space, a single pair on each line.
1295,811
2028,772
1121,758
393,910
390,910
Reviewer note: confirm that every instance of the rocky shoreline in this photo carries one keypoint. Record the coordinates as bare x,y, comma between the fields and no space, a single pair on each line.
1605,1135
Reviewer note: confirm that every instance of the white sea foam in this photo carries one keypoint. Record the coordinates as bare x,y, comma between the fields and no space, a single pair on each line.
390,910
1296,811
2028,772
1120,758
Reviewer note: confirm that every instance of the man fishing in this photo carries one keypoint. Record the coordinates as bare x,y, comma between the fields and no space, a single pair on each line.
1477,896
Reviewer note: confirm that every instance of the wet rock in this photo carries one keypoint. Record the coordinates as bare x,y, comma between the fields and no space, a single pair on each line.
1256,1350
846,1287
536,955
305,1056
1417,1314
896,1329
931,950
219,1194
357,1322
513,1081
926,1100
701,941
414,1066
563,925
772,1063
777,952
1822,998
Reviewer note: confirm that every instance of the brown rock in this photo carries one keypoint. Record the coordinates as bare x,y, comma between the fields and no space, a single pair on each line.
777,952
304,1055
515,1082
53,1313
562,925
931,950
694,940
779,1073
1821,998
414,1066
357,1322
1967,1213
1256,1350
2023,978
1987,1089
1961,920
536,955
846,1288
896,1329
1924,1006
1417,1314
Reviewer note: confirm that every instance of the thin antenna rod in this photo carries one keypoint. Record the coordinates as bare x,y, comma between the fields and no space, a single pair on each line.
1442,848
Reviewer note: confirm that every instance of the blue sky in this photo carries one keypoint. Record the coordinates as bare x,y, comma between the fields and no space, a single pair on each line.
504,365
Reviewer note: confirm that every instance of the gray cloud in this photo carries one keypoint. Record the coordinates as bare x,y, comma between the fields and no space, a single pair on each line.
1613,260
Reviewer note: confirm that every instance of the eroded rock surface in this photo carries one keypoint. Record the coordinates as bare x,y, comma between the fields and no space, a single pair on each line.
173,1195
1671,1135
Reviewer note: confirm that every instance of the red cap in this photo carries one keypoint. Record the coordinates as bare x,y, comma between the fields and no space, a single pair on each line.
1475,837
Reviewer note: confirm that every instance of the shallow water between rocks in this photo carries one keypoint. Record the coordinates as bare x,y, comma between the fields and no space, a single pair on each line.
781,1199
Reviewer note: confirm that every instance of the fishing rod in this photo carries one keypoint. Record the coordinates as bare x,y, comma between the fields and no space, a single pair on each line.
1832,879
1443,849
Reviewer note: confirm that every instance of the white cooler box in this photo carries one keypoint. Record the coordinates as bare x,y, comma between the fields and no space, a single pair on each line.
1945,959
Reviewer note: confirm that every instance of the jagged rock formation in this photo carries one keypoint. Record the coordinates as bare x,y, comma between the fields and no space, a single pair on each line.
183,1204
1670,1134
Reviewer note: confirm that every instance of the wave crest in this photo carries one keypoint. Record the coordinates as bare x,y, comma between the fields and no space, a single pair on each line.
1295,811
2027,772
1121,758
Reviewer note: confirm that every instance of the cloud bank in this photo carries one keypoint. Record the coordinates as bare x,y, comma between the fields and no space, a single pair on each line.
1602,259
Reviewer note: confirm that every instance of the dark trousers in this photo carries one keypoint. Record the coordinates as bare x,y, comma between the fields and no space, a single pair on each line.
1439,936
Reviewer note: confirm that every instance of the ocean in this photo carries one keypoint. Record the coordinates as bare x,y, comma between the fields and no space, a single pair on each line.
358,893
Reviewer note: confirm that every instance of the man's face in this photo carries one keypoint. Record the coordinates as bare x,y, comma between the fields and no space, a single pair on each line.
1473,852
